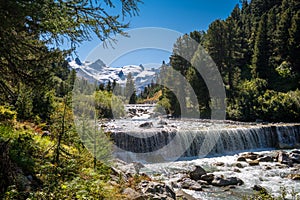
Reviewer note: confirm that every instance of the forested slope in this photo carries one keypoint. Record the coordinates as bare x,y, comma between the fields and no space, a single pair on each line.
257,51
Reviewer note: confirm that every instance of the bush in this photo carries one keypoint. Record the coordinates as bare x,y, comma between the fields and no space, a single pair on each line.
255,102
278,106
163,106
6,114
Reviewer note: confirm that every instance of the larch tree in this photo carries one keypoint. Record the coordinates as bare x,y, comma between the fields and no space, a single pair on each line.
32,32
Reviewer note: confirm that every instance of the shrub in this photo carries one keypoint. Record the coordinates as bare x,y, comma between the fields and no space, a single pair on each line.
6,114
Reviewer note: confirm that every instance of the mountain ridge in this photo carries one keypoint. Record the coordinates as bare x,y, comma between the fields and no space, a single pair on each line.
100,72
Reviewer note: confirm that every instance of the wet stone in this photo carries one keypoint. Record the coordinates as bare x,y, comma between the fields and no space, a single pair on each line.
197,173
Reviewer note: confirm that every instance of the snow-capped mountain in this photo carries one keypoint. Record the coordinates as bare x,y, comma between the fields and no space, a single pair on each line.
99,71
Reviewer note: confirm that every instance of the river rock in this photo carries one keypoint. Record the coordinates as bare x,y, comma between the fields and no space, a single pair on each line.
196,187
283,158
253,162
197,173
239,165
161,122
146,125
219,164
296,151
131,194
295,157
250,155
268,168
241,159
187,183
180,194
208,177
154,190
237,170
294,177
265,159
221,182
260,189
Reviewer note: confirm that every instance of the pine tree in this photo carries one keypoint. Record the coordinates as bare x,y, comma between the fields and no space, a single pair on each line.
294,44
130,92
282,35
184,49
108,86
216,43
114,84
260,59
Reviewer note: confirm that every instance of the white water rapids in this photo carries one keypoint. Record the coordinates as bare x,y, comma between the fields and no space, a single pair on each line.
170,148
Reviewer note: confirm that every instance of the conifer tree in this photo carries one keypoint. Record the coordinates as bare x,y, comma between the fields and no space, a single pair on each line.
130,92
31,33
294,44
282,34
260,59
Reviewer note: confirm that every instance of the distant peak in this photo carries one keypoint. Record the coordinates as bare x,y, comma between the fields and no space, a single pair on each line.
78,62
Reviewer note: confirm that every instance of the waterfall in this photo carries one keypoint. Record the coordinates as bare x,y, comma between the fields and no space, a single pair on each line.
167,144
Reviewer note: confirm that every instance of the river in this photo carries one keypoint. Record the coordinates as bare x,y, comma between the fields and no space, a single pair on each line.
170,148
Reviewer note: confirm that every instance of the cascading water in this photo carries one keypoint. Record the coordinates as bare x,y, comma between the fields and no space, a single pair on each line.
163,143
214,145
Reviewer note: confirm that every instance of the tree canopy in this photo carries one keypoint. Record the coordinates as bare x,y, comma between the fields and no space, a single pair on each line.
33,32
256,50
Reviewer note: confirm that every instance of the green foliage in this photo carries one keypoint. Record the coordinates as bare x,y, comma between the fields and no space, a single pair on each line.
258,103
283,106
6,114
96,142
89,184
247,106
260,61
76,175
163,106
35,81
31,63
264,195
108,105
24,103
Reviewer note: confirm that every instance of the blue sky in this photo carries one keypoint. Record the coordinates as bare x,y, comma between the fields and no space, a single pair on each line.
183,16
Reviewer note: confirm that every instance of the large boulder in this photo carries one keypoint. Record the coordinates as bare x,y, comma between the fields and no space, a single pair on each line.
197,173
